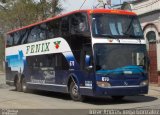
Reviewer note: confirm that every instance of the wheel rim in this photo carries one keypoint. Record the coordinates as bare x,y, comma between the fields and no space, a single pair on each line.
24,87
75,90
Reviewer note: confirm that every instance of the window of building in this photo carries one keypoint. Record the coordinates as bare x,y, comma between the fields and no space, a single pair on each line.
151,36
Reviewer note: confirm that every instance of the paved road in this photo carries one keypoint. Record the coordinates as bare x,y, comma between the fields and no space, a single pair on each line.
50,100
2,78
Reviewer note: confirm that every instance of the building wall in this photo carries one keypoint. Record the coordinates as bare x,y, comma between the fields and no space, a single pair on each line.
149,15
145,6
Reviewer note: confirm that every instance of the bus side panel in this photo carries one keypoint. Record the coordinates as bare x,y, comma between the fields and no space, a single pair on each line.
10,75
85,82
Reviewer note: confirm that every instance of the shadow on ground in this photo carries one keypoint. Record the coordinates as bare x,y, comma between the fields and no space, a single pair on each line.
97,101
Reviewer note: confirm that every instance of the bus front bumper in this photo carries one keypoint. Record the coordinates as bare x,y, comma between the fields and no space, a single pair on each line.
121,91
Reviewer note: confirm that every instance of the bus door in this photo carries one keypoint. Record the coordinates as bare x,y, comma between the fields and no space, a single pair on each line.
87,67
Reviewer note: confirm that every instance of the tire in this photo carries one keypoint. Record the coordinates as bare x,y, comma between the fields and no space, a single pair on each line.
18,85
24,86
117,97
74,92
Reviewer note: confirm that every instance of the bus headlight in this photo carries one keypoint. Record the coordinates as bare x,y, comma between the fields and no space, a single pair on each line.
144,83
103,84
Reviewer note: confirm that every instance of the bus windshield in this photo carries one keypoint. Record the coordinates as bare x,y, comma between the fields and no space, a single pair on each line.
116,26
114,56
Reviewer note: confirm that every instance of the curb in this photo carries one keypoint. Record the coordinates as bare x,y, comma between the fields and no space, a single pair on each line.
155,89
2,79
3,86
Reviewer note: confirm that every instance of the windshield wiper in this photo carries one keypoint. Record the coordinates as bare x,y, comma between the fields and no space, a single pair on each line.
111,36
133,36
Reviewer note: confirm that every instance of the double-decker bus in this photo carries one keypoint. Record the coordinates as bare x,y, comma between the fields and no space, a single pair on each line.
96,52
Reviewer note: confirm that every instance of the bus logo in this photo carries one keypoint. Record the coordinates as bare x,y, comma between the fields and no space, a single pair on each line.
57,44
125,83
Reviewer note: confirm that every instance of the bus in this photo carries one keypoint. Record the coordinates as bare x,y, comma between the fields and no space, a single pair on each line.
94,52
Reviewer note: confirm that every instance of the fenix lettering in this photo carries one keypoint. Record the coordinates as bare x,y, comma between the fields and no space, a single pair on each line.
36,48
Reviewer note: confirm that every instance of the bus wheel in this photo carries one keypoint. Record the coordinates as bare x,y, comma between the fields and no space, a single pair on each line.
74,92
117,97
18,85
24,86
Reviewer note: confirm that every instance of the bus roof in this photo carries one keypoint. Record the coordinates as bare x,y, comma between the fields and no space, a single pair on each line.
89,11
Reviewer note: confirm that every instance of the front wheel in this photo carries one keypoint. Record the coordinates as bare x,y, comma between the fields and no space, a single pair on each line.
18,85
74,92
24,86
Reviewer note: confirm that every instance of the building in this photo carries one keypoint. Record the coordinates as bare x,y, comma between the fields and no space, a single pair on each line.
149,14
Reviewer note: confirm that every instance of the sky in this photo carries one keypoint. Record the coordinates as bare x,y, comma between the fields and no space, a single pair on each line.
71,5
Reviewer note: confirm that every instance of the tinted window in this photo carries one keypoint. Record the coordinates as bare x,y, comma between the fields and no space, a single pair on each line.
9,41
65,26
35,35
53,29
42,61
23,35
61,62
16,38
54,61
79,23
43,30
121,26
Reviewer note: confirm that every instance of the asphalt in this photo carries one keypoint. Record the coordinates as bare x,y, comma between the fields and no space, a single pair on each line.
2,77
155,88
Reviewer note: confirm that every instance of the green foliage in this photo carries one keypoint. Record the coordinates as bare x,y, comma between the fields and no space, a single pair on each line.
18,13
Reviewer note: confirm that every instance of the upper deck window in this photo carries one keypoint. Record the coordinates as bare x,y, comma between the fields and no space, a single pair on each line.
79,23
119,26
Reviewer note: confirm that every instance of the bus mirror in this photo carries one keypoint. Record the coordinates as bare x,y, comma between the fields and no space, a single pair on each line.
87,60
88,65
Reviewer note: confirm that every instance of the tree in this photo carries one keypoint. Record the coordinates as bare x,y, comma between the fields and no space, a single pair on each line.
2,46
18,13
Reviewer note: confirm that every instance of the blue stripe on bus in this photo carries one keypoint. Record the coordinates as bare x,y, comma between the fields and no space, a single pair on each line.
16,62
133,69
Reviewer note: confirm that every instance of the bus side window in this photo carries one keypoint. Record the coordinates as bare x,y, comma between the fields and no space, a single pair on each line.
23,35
61,62
65,26
43,30
53,29
79,23
34,35
16,38
9,41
